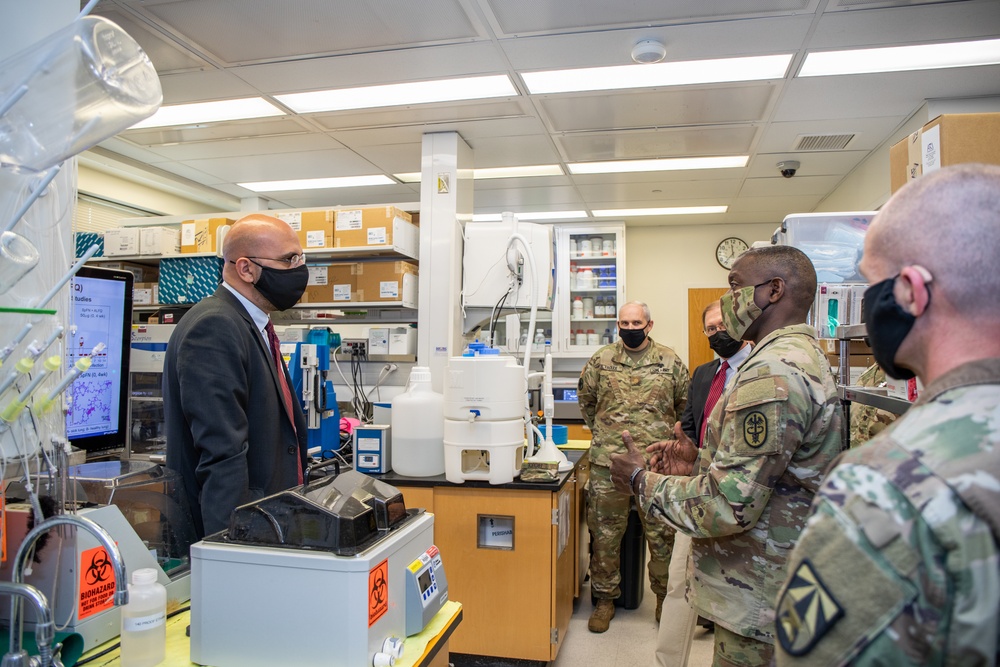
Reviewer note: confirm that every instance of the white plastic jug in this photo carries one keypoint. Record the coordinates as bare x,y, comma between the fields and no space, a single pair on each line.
418,428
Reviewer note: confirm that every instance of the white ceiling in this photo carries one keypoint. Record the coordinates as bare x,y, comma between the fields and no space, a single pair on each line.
217,49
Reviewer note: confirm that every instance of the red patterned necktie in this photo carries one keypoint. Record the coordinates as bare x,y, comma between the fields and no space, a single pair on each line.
286,392
714,394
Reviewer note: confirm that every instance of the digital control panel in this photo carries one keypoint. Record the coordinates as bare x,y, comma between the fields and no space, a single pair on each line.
426,590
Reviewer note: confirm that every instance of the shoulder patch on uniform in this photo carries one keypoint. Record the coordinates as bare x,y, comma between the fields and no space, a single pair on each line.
755,429
806,611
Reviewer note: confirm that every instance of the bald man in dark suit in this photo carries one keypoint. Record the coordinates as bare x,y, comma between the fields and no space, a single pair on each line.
232,433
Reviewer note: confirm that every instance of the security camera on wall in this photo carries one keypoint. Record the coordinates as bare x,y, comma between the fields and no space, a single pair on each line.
788,168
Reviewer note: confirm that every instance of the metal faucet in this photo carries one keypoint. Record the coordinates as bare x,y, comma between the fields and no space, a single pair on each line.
44,629
17,657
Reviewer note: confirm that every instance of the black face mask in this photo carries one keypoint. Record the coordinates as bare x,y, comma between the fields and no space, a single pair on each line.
282,287
723,344
888,325
632,338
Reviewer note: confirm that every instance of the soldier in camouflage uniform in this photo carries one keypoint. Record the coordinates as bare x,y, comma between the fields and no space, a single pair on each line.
639,385
898,564
867,421
767,441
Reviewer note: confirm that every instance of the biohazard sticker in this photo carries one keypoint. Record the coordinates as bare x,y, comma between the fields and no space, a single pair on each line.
378,592
806,611
97,582
755,429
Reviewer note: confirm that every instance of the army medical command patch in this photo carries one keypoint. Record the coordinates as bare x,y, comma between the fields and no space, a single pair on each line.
755,429
806,611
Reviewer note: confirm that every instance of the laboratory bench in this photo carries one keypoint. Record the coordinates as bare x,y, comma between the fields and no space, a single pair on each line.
429,648
515,555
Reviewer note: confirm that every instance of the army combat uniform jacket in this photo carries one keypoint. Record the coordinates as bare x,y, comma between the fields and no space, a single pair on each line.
868,421
644,397
767,442
898,564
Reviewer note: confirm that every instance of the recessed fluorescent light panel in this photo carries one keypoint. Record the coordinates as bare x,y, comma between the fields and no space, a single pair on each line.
317,183
541,215
497,172
751,68
666,164
397,94
210,112
676,210
902,58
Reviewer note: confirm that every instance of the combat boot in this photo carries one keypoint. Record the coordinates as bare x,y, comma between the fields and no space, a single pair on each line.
601,618
659,607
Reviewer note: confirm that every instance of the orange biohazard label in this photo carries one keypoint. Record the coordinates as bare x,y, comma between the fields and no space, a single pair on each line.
97,582
378,592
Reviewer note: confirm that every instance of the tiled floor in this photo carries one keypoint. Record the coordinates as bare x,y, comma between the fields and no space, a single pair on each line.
629,642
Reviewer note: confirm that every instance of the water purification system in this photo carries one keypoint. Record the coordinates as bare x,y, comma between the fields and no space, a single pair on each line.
309,364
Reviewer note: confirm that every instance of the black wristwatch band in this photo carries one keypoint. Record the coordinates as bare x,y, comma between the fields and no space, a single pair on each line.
631,479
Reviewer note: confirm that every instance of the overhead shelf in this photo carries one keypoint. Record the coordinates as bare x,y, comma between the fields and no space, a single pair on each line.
852,331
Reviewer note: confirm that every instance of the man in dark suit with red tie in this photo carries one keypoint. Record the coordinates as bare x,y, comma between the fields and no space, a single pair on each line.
234,431
673,642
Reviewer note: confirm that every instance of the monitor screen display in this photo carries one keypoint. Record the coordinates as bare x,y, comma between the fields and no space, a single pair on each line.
567,395
101,312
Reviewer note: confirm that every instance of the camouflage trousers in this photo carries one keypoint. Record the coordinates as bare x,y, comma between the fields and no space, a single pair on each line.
607,516
733,650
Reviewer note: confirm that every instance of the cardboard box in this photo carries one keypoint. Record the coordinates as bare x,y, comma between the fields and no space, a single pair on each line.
121,241
314,228
186,280
331,283
385,281
200,235
944,141
142,272
375,226
145,294
159,241
402,340
832,346
83,241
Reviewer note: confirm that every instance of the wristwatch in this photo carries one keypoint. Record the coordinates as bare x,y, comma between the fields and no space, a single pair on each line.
631,478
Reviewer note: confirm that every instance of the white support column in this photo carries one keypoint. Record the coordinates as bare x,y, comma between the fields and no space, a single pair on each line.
249,204
445,206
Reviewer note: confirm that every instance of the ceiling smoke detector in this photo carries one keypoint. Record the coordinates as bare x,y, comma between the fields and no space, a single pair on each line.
648,51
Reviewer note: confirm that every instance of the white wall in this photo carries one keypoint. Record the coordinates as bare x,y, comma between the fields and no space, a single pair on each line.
662,263
117,189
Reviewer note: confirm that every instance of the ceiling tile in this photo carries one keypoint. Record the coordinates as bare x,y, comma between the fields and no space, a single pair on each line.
249,147
285,166
675,142
783,187
166,54
527,198
837,163
868,132
214,133
659,194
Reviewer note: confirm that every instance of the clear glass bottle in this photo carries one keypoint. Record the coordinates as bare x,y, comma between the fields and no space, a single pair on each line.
144,621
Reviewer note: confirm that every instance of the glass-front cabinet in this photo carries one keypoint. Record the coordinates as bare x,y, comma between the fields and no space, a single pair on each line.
590,287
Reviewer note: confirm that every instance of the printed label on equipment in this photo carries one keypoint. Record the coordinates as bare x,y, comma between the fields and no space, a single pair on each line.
187,233
368,444
316,239
388,289
378,592
376,236
138,623
97,582
347,220
294,220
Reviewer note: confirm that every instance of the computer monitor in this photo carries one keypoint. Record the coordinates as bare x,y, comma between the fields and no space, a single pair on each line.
101,312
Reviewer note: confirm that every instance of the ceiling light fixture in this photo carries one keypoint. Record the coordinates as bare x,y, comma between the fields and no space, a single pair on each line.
525,171
675,210
648,51
901,58
210,112
528,216
751,68
399,94
664,164
317,183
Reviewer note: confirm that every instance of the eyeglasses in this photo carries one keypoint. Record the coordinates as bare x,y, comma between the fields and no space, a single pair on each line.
714,329
290,262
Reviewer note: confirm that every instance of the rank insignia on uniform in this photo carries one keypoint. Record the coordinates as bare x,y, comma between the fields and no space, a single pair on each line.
806,611
755,429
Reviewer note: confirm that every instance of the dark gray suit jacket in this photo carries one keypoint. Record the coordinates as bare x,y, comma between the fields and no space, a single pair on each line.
694,411
228,434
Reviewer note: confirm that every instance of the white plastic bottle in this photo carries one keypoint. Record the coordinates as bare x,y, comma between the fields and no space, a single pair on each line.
539,340
418,428
577,310
144,621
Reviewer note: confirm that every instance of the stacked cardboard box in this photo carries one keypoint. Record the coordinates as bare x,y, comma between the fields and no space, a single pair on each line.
121,241
189,279
375,226
159,241
200,235
331,283
946,140
384,281
314,228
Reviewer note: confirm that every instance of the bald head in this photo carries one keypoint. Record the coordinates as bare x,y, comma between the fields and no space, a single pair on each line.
252,233
948,222
788,263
